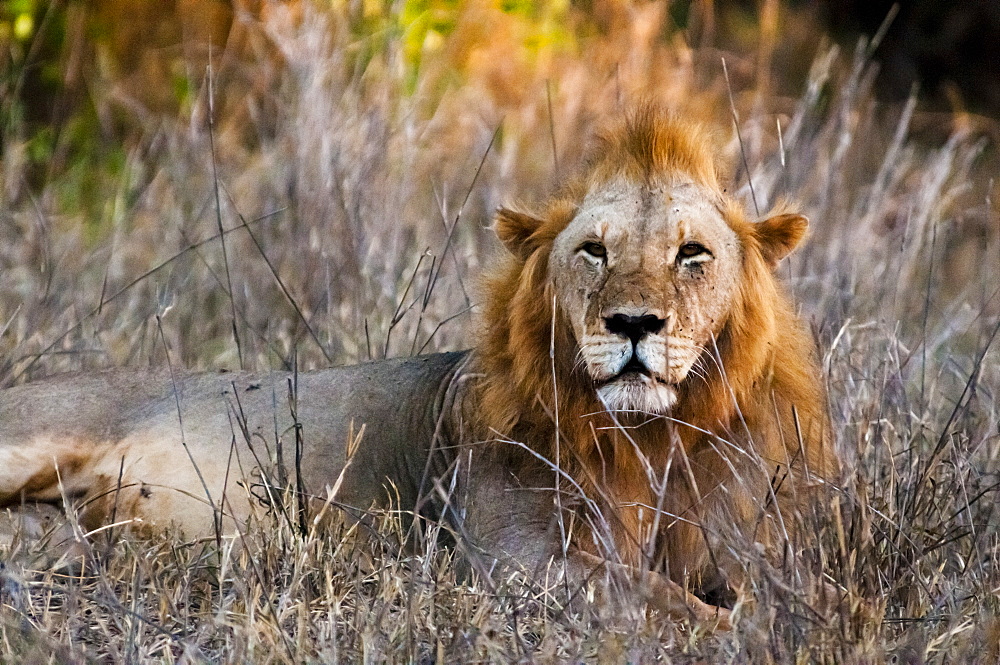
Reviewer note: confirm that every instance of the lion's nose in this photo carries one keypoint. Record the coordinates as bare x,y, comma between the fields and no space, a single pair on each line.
634,327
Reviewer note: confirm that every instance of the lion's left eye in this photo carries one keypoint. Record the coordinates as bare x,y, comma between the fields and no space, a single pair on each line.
690,249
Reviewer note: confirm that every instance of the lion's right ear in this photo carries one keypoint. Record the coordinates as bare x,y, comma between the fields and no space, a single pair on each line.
515,229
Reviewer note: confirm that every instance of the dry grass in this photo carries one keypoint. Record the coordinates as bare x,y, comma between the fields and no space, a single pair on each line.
355,184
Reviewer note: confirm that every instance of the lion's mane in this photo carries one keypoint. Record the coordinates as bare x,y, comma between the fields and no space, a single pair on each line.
758,389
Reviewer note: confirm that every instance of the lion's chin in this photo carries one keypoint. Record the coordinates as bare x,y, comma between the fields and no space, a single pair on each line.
638,395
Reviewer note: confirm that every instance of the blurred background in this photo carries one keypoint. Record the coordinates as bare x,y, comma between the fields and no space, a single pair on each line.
365,143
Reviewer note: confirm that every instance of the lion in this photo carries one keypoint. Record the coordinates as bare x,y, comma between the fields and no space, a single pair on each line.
640,386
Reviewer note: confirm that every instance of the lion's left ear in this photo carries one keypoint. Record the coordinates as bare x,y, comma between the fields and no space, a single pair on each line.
779,235
515,229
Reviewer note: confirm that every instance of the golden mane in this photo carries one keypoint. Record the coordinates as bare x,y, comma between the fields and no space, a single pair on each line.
758,388
650,144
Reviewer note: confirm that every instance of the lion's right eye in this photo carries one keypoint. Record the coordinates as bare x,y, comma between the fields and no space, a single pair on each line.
595,249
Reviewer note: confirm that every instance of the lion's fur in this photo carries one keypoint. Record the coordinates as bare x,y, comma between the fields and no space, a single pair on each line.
763,392
749,410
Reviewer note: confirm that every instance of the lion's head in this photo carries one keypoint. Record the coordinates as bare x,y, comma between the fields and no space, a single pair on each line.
650,269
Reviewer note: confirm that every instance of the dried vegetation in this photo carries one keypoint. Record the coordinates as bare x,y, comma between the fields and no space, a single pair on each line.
352,161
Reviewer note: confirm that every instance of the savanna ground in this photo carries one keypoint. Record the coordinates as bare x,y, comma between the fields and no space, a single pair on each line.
316,188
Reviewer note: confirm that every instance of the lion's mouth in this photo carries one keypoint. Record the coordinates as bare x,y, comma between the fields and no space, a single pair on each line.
635,370
637,389
635,365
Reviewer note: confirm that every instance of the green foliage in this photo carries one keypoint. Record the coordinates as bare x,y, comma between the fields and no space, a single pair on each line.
19,19
534,27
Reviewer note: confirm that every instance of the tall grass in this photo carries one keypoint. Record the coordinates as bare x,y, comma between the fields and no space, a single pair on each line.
353,173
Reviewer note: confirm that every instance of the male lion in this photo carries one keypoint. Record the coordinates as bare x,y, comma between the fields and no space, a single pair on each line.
641,386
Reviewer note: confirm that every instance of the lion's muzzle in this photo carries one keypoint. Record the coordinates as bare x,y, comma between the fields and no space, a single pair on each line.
629,363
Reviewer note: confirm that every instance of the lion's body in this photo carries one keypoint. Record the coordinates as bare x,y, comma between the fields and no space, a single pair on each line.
638,359
147,431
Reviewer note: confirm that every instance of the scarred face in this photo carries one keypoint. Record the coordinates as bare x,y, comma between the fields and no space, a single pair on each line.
644,276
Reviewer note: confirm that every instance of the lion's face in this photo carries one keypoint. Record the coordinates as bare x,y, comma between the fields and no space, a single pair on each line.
644,276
